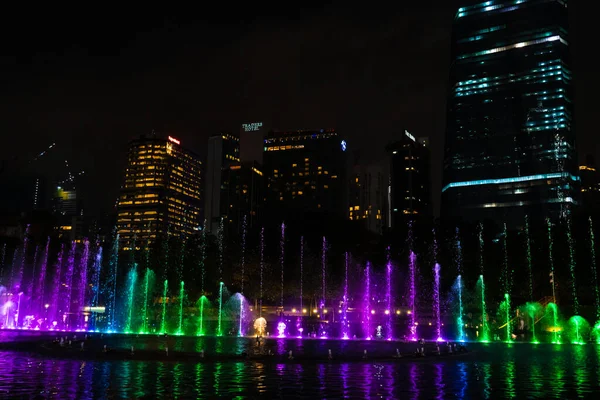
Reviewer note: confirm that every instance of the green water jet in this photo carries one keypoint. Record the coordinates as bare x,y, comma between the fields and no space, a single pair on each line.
578,329
219,331
131,282
181,301
203,305
163,320
148,283
485,335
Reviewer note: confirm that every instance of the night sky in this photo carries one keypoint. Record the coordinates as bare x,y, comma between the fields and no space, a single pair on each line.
91,80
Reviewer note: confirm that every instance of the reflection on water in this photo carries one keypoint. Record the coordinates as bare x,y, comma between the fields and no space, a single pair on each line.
509,379
439,381
491,371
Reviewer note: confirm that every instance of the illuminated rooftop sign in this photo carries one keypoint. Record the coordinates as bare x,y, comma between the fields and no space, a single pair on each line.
252,127
411,137
172,139
343,145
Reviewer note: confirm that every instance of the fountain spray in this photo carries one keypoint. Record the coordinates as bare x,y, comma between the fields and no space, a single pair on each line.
220,235
68,282
529,259
262,267
146,289
436,289
114,269
507,283
203,298
41,286
282,259
181,301
163,319
388,292
243,267
594,271
56,286
459,261
552,307
323,273
572,262
130,304
83,280
484,325
367,299
181,286
412,282
300,328
345,323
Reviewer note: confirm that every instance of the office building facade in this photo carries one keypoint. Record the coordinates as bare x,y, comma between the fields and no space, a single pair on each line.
367,199
223,153
510,144
160,194
307,172
409,186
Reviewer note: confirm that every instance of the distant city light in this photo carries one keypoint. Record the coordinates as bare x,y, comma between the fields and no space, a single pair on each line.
252,127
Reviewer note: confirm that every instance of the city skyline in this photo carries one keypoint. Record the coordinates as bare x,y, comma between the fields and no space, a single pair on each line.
85,127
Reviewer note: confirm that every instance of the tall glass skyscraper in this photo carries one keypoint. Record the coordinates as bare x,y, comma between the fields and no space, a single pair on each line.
510,140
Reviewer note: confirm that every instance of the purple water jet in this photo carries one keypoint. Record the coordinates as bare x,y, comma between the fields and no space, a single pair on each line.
323,274
345,322
367,302
54,306
412,295
41,284
67,285
436,302
83,283
388,295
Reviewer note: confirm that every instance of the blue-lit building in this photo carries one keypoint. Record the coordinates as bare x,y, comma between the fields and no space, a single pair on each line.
510,140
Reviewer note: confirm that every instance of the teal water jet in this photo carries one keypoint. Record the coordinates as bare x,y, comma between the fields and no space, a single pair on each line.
458,286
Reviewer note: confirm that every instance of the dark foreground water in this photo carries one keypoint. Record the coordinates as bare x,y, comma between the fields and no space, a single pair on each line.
488,371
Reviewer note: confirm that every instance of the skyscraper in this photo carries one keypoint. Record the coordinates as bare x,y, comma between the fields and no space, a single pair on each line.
307,174
161,192
223,153
510,144
367,200
409,190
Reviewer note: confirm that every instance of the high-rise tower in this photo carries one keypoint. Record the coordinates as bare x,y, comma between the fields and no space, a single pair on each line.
510,142
161,192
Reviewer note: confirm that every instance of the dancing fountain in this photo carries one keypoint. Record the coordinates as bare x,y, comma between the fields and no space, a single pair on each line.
59,286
